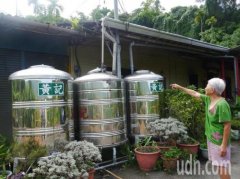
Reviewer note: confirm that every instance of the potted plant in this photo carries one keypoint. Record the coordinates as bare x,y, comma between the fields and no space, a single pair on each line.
168,131
170,158
86,155
4,157
146,153
56,166
77,160
189,145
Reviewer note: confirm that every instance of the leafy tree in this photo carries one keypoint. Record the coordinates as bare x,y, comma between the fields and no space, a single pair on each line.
37,8
211,21
213,35
180,21
54,9
98,13
146,15
47,14
199,18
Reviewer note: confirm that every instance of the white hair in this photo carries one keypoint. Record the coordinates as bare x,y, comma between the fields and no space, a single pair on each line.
217,84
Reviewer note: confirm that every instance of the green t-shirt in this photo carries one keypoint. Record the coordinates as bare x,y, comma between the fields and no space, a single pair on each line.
214,123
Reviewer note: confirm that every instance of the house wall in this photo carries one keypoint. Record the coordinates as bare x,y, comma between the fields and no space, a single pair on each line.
174,67
168,64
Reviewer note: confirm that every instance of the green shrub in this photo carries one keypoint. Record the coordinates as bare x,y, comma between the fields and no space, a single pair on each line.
31,150
4,152
188,110
173,152
235,123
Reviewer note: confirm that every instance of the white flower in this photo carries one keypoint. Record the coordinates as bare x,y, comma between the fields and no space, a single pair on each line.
167,128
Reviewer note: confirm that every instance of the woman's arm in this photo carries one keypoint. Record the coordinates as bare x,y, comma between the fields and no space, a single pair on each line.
186,90
226,135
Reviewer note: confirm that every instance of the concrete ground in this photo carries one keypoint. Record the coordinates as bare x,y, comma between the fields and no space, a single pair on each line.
121,172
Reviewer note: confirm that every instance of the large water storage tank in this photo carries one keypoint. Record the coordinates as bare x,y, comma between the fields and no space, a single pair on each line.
39,104
144,99
101,108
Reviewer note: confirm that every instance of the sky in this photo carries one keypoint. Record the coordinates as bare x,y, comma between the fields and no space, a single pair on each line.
21,7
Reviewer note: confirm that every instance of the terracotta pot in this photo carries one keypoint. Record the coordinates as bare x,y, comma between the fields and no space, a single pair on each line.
169,163
147,161
91,174
190,148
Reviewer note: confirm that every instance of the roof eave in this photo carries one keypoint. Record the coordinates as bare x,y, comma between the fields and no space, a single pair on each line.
142,30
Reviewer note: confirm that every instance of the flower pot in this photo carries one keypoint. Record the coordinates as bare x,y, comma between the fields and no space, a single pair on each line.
190,148
169,163
204,153
147,160
163,146
91,174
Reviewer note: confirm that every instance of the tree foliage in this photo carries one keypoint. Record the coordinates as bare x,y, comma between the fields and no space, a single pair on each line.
50,13
217,21
99,13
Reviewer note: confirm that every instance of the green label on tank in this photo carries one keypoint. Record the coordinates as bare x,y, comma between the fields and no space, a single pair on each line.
156,87
52,89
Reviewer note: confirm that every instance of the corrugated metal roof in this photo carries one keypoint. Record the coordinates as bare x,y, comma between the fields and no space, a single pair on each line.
146,34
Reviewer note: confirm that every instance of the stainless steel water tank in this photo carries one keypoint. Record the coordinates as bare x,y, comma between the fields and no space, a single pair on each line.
143,101
102,117
39,104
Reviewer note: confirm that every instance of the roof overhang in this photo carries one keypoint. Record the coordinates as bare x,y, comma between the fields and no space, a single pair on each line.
165,40
21,24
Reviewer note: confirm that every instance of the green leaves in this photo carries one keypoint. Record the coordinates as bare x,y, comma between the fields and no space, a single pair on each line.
188,110
173,152
4,151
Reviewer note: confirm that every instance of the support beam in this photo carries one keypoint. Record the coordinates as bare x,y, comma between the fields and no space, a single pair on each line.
222,74
236,74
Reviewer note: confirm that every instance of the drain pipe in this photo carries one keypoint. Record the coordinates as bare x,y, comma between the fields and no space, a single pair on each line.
236,73
115,46
102,57
131,57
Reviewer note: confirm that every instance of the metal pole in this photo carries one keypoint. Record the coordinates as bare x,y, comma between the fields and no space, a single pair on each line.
131,57
114,155
114,53
118,57
103,33
115,9
16,7
118,48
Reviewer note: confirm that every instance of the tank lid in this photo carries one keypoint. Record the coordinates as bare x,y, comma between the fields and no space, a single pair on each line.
142,75
96,77
40,72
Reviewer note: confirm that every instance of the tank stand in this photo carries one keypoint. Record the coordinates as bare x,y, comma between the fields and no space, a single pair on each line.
115,161
137,138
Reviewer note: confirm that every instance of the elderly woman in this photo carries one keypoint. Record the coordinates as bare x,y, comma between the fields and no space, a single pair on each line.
217,123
